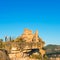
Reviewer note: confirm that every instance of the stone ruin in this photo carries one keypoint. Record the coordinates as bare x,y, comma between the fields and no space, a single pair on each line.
33,45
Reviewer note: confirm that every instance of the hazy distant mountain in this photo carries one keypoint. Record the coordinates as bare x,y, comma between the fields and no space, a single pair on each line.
51,48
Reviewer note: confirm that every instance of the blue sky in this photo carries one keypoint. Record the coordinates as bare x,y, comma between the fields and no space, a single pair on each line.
41,15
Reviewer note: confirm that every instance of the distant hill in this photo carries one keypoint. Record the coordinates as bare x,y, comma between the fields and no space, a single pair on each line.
51,48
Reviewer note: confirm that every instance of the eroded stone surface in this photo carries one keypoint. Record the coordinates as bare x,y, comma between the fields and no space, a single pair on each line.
3,56
32,41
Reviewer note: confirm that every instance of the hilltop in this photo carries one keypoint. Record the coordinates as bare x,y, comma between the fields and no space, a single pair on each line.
28,45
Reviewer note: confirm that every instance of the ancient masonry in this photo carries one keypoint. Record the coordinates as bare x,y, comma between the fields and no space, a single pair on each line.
34,44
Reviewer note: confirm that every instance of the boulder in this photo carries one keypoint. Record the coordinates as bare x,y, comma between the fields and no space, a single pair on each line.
4,55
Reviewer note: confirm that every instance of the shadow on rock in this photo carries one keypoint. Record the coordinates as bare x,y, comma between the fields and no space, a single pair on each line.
4,55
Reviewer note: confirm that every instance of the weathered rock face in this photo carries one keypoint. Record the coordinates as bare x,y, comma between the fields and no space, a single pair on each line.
3,55
27,35
30,43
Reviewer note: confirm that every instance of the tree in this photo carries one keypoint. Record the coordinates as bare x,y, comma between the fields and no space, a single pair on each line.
1,43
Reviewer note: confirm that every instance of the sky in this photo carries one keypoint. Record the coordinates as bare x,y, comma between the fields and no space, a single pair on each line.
41,15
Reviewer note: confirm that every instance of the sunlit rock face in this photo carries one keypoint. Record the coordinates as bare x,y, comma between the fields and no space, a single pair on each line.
15,52
27,41
14,48
28,36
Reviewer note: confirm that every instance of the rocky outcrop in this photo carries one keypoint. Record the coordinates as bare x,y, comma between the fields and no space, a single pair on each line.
26,45
4,55
27,35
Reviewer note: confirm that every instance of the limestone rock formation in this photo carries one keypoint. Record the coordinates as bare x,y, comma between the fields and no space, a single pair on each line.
34,39
27,44
4,55
27,35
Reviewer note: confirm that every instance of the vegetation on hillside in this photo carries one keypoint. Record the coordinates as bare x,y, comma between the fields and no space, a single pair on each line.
52,48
